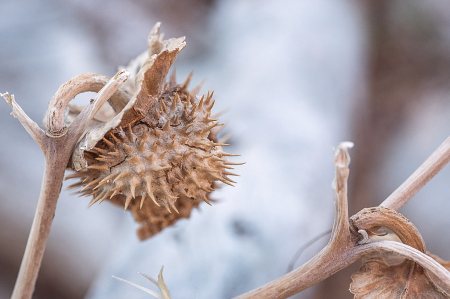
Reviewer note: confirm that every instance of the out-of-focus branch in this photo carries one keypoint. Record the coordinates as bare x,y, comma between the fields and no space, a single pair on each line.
420,177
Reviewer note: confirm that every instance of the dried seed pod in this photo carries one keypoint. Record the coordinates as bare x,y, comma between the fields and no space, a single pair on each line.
161,163
161,157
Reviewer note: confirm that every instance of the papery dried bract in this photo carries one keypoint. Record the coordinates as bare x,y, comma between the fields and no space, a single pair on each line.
386,275
149,83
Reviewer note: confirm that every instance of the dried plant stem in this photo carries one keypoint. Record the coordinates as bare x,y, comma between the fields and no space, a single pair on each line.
30,126
438,159
344,249
57,149
329,261
51,187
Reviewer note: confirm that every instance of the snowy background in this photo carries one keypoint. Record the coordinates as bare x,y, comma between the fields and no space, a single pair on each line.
296,77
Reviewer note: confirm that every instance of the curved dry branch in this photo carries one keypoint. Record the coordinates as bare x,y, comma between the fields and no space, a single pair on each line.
81,122
368,219
70,89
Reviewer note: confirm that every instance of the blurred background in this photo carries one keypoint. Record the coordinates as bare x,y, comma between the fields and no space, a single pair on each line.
297,77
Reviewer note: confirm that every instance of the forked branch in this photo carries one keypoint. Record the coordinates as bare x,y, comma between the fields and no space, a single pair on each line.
344,248
57,150
334,257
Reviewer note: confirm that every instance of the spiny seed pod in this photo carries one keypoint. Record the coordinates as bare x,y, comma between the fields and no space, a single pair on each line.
160,157
166,159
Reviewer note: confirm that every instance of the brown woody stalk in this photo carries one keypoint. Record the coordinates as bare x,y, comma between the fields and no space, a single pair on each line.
345,246
57,145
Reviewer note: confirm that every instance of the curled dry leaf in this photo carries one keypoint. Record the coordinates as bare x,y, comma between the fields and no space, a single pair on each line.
158,155
386,274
